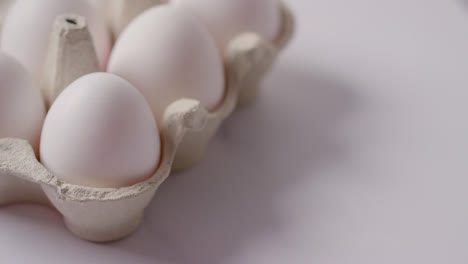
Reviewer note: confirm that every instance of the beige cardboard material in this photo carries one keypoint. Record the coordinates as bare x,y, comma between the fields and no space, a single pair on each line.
71,55
100,214
251,83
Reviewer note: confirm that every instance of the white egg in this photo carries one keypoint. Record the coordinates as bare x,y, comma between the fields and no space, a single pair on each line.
22,108
226,19
168,54
100,132
29,23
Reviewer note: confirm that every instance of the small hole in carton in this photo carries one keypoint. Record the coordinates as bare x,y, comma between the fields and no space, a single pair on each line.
71,21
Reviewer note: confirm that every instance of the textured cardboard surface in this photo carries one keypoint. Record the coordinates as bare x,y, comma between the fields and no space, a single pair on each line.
71,55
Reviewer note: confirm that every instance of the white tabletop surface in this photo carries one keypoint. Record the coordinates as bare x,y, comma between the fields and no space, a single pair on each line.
356,152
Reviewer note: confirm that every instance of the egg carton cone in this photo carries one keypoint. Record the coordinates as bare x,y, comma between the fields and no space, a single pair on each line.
108,214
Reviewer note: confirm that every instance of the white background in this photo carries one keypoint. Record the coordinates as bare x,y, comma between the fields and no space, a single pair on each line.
356,152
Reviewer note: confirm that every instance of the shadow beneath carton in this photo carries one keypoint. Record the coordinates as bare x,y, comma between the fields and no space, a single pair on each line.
33,220
463,4
37,233
208,213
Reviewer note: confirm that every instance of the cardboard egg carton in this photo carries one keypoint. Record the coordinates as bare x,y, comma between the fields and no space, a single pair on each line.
108,214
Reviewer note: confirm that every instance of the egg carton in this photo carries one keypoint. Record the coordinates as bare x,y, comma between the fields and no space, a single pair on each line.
108,214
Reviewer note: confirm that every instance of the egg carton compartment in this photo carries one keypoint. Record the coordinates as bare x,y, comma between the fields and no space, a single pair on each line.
95,214
108,214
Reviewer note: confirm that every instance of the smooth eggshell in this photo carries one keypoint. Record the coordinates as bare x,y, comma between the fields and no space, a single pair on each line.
226,19
22,108
29,24
168,54
100,132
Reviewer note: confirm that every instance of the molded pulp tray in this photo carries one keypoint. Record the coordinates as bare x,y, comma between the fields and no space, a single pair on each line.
100,214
